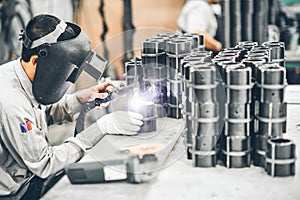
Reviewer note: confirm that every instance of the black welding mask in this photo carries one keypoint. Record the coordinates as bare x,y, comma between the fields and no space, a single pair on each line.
61,62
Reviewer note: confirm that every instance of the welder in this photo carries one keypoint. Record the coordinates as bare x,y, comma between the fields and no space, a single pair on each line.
33,96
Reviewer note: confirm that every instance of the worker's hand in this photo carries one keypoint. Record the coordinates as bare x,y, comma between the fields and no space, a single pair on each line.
98,91
120,123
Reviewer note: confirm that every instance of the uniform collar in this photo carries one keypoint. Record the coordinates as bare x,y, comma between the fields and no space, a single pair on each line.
25,82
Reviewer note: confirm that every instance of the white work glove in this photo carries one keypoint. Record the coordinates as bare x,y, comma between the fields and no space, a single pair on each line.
120,123
116,123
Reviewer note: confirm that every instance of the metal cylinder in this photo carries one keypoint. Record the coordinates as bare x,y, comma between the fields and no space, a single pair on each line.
174,98
221,63
253,63
247,44
204,152
147,109
277,49
272,110
259,150
238,83
236,152
206,126
280,157
272,127
271,82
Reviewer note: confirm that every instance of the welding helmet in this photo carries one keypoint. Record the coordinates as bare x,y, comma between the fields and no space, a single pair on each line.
60,62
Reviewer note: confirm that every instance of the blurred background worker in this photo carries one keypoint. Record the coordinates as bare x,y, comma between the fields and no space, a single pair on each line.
197,16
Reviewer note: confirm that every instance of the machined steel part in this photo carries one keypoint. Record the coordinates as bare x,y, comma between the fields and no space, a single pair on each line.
200,39
237,127
229,53
247,44
238,83
225,22
254,63
271,119
151,72
174,108
202,74
204,151
154,90
206,110
147,109
236,151
221,63
174,111
237,120
271,81
206,126
259,146
238,74
177,49
240,50
277,49
272,110
280,157
202,95
271,127
194,39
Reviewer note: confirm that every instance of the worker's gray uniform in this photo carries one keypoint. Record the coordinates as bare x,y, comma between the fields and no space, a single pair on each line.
24,148
197,16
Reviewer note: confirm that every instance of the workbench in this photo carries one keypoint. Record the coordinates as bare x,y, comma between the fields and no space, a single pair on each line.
179,180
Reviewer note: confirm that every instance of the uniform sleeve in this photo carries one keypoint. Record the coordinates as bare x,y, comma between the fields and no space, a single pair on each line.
64,110
197,20
31,145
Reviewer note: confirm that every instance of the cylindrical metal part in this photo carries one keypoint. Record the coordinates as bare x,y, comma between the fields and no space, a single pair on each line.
259,150
204,152
272,127
238,74
247,45
147,109
206,126
272,110
237,111
236,152
237,127
203,74
280,157
253,63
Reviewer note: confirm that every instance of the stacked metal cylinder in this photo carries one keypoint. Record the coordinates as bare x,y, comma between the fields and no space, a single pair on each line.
154,81
200,109
271,107
177,49
247,98
269,149
236,143
203,86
